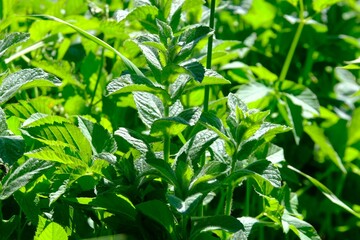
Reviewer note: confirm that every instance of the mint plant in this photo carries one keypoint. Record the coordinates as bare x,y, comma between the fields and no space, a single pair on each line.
178,119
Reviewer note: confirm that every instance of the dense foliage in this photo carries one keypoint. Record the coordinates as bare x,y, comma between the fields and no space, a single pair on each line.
180,119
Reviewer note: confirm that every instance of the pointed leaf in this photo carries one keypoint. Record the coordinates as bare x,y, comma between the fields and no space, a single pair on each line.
11,147
188,40
59,132
130,83
320,5
150,107
185,207
53,231
12,39
195,69
260,170
22,175
23,79
163,169
301,228
100,139
134,139
159,212
175,125
205,224
132,67
249,224
209,172
165,32
324,190
318,136
196,146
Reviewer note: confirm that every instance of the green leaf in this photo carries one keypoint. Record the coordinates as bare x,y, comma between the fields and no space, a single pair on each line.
151,54
100,139
320,5
58,154
53,231
131,83
140,13
211,77
188,40
24,79
132,67
177,88
236,101
211,223
115,203
196,146
324,190
165,32
209,172
8,227
134,139
12,39
318,136
24,109
25,173
291,113
353,129
175,125
249,224
266,132
162,168
11,147
159,212
185,207
301,228
195,69
59,132
300,95
294,2
259,170
255,94
150,107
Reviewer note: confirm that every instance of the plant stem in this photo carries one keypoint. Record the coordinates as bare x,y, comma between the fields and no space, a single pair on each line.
166,136
98,78
209,54
230,189
294,43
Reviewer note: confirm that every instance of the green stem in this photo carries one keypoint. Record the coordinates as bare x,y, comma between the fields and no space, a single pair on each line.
209,54
230,190
166,136
229,200
98,78
294,43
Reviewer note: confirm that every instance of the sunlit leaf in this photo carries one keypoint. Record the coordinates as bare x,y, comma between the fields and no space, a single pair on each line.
12,39
24,79
25,173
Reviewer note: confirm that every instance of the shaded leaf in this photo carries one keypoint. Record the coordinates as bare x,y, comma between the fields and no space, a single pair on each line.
324,190
185,207
318,136
159,212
